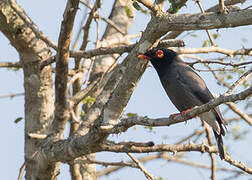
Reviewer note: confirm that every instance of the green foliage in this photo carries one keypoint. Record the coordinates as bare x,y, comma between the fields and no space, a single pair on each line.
13,68
148,127
130,115
128,11
18,120
229,76
136,6
89,101
216,35
175,6
139,8
83,113
206,43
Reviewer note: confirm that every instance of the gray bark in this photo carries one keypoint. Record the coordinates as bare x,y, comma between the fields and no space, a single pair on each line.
42,155
39,101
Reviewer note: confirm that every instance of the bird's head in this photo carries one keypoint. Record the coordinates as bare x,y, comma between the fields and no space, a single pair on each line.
160,58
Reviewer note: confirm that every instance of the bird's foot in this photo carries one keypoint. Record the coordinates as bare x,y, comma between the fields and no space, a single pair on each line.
186,111
173,115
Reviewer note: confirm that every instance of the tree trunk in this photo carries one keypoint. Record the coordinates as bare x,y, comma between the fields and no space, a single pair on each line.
39,101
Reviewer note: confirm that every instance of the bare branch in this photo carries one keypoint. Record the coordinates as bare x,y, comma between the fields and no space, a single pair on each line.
10,65
239,81
231,105
209,20
210,142
118,147
163,155
151,6
11,95
116,50
174,34
141,167
235,109
215,49
129,122
120,49
96,14
200,60
88,23
237,164
61,109
207,31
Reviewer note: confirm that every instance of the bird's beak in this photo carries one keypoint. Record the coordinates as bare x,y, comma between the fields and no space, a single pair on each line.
142,56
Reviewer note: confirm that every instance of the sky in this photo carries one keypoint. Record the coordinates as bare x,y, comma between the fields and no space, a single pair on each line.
149,99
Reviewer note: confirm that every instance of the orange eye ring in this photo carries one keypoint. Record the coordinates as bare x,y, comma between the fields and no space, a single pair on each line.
159,53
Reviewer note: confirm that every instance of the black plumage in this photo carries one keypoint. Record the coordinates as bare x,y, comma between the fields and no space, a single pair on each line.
185,88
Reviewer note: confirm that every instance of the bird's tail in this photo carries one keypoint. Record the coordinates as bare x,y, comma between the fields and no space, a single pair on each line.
220,145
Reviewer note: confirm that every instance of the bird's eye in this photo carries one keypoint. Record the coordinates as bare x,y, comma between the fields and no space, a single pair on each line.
159,53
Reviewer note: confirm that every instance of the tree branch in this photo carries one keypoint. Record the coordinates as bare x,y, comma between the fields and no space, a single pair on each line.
239,81
141,167
33,26
10,65
164,156
215,49
125,147
129,122
151,6
61,109
200,60
209,20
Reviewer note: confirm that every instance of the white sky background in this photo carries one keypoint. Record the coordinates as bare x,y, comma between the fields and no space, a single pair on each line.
148,99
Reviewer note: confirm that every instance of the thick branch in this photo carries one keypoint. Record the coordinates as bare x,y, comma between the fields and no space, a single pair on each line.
61,113
66,150
209,20
124,147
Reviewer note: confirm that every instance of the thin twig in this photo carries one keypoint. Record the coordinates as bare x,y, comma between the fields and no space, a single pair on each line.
11,95
200,60
111,23
10,65
141,167
231,105
163,155
210,142
87,25
207,31
237,164
239,81
230,53
150,5
244,116
21,171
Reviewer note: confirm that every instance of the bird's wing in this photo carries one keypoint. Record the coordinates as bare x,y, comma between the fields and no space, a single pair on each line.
196,85
192,81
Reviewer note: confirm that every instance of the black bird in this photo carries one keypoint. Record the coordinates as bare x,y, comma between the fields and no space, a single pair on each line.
185,88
